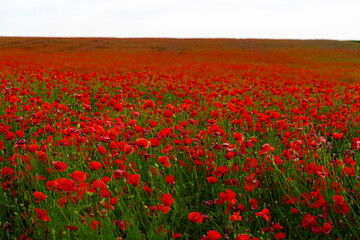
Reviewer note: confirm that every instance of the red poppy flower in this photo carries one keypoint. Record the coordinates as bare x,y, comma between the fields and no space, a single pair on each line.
212,179
162,208
280,235
356,143
39,196
253,203
241,207
349,161
42,214
46,106
251,182
105,193
98,184
9,136
316,229
340,205
327,228
239,137
41,155
294,211
62,184
6,185
78,176
153,123
337,136
13,99
277,226
95,224
228,196
20,134
277,160
60,166
95,165
133,179
154,142
114,200
229,155
122,224
142,142
48,128
213,235
235,217
243,237
265,214
164,160
6,171
33,147
195,217
308,221
101,150
138,129
128,149
168,113
72,228
167,199
170,179
176,235
149,104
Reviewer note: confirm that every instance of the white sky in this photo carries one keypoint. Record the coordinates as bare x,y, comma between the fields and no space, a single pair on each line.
291,19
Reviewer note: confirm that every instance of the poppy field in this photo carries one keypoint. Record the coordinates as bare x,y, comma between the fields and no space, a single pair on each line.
179,139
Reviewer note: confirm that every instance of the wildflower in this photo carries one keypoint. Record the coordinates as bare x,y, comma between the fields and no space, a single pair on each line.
101,150
243,237
42,214
170,179
133,179
60,166
39,196
212,179
213,235
78,176
308,221
280,235
265,214
95,165
340,205
95,224
33,148
142,142
253,203
327,228
122,224
167,199
168,113
20,134
337,136
195,217
356,143
235,217
165,161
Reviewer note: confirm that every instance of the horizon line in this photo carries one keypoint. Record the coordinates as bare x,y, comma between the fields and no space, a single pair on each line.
184,38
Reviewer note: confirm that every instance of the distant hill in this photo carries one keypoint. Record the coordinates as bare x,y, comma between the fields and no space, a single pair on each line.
114,53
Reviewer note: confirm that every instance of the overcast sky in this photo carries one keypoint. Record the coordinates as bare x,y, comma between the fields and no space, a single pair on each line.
300,19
